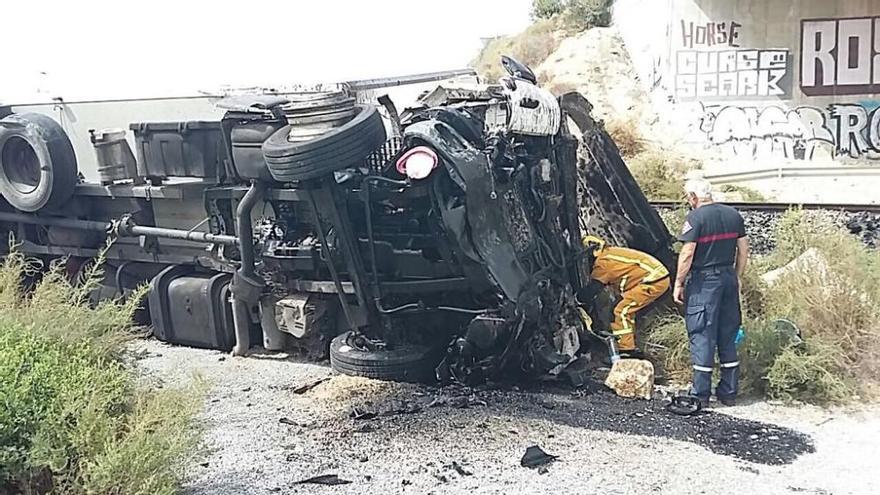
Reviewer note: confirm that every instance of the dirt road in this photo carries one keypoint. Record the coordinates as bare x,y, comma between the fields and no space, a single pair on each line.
263,435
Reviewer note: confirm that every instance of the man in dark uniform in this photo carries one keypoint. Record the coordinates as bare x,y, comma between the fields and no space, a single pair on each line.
710,266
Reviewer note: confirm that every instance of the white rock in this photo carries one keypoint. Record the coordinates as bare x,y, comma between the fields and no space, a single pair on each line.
810,261
632,378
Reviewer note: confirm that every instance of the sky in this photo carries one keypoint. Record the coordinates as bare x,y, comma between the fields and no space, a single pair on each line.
99,49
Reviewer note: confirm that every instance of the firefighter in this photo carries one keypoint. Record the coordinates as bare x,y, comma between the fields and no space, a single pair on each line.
710,266
639,277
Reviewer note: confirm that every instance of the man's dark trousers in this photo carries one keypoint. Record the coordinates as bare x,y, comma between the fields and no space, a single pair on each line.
713,318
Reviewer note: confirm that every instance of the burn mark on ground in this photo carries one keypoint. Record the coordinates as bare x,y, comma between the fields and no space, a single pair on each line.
597,409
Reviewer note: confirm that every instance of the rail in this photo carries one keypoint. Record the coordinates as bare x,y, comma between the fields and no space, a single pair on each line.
745,206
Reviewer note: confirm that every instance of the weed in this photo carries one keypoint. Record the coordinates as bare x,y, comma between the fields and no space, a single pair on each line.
812,373
530,47
660,174
580,15
626,135
735,192
667,340
545,9
73,418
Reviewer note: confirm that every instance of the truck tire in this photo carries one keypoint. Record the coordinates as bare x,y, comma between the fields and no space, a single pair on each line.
37,163
404,363
335,150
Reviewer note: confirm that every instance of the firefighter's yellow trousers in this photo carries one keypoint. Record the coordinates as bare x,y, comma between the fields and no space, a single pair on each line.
632,301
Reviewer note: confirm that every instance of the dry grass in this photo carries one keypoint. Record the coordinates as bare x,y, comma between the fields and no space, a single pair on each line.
661,173
627,136
734,192
530,47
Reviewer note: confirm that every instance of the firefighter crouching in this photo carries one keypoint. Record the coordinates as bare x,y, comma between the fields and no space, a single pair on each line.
639,278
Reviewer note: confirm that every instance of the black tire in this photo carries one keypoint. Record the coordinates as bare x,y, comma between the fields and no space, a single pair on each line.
335,150
404,363
37,163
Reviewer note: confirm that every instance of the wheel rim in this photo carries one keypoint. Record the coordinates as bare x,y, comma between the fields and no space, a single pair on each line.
21,165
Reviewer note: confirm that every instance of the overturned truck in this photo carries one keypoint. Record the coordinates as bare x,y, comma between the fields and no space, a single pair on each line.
440,243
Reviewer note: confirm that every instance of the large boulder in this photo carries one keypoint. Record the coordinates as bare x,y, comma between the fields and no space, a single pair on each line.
632,378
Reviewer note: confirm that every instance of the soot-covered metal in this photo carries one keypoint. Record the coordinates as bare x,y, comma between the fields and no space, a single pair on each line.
509,202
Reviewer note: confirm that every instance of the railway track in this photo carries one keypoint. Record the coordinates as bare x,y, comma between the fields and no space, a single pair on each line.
780,207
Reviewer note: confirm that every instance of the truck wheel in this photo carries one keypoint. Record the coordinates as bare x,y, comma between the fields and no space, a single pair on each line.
405,363
37,162
335,150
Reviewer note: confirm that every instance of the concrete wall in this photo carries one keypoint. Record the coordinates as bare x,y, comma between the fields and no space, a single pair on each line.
762,81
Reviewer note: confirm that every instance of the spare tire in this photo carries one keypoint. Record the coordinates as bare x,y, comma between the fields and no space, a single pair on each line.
404,363
335,150
37,162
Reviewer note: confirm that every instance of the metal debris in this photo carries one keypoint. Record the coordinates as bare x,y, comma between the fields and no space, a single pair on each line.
310,385
536,457
324,479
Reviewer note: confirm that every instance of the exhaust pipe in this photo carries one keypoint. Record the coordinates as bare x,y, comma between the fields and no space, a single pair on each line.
246,286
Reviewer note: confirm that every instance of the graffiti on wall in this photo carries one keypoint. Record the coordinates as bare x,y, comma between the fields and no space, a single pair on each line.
850,129
733,74
840,56
710,34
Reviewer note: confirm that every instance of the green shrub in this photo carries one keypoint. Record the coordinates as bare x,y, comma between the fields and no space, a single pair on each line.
580,15
576,15
545,9
811,373
73,418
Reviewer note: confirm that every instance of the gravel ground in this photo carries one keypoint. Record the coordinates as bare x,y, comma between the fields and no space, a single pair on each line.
262,436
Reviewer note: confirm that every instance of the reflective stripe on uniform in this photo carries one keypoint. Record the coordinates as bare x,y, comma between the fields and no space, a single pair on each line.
623,280
655,272
730,365
707,369
625,331
624,315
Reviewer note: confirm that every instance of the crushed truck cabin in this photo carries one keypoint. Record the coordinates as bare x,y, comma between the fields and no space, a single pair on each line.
442,242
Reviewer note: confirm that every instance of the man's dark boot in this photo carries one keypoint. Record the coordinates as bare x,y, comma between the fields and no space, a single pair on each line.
727,401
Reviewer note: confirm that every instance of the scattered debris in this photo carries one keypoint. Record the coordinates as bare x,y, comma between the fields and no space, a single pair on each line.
684,405
460,469
633,378
310,385
536,457
287,421
324,479
578,372
367,428
359,414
